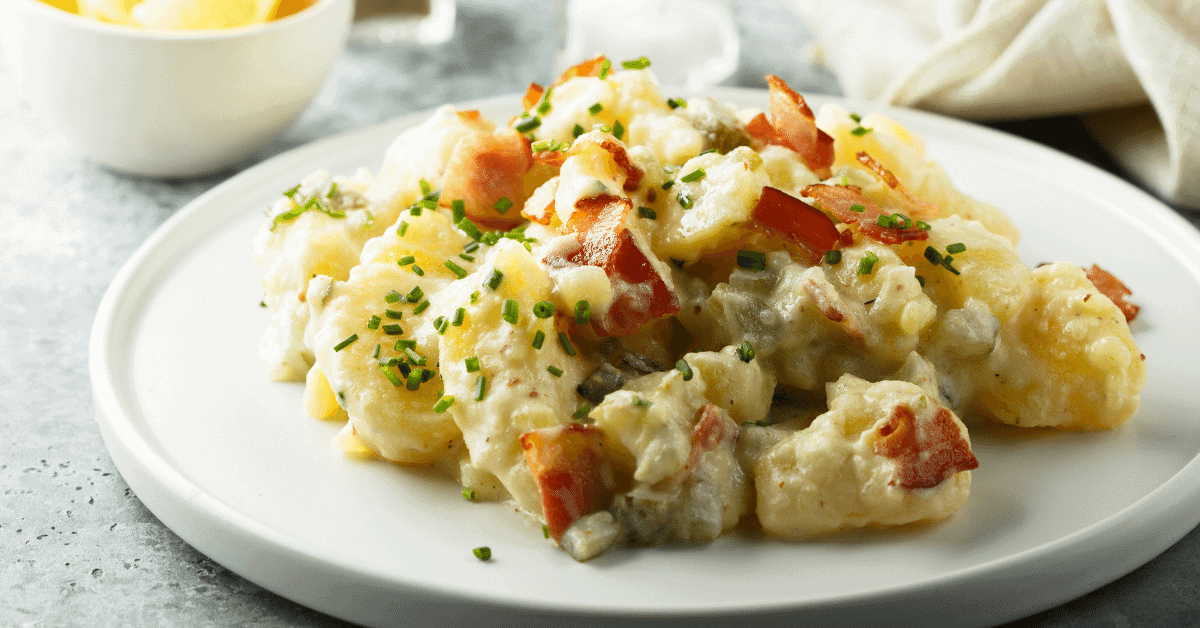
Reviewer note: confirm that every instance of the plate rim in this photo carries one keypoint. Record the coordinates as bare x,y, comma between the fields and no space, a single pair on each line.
158,482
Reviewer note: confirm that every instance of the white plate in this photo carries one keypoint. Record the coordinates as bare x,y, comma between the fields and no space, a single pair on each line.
229,461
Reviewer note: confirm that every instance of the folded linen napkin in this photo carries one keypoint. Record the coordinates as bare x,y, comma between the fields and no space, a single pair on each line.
1129,68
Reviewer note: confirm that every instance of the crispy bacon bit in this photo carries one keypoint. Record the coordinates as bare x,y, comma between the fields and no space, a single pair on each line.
927,454
1114,289
827,306
839,199
590,67
553,158
572,471
640,293
484,168
793,126
533,95
916,207
781,214
713,427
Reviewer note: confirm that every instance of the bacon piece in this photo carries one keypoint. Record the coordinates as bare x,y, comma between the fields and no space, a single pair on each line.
839,199
572,472
483,168
793,126
532,96
553,158
917,208
589,67
928,454
781,214
1114,289
640,293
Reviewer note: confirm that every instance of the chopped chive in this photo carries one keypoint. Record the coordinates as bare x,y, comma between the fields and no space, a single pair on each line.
618,129
900,221
565,341
933,256
480,388
459,316
921,224
391,375
405,343
406,260
414,357
400,231
752,260
745,352
545,530
493,282
292,192
577,131
867,263
413,382
483,553
640,402
676,103
374,322
510,311
468,228
441,323
474,297
443,404
414,295
833,257
471,246
605,66
639,63
345,343
427,203
458,209
946,263
856,117
582,411
845,181
685,201
886,221
472,364
684,369
392,297
415,210
418,270
583,312
860,131
393,314
694,175
425,187
456,269
858,208
957,247
421,307
604,128
596,108
921,280
530,124
554,370
375,353
503,204
646,212
468,493
538,339
392,329
668,184
332,190
426,375
469,258
543,309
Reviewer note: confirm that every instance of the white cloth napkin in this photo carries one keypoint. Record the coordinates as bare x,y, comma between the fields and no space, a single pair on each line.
1132,66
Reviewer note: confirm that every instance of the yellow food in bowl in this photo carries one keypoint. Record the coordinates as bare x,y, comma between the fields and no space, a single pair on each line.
182,15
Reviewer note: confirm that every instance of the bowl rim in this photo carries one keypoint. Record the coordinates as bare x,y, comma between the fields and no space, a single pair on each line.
74,20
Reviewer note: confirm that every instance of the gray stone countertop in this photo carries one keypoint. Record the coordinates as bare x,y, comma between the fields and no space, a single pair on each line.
77,548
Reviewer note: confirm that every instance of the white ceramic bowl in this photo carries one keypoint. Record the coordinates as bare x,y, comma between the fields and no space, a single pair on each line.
170,104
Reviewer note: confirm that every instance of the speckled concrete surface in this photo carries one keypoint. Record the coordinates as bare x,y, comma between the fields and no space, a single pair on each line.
77,548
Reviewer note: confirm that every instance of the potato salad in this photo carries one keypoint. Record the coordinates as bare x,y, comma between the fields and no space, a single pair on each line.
644,320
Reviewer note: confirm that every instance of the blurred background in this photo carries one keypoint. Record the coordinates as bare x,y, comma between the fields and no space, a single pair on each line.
78,548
